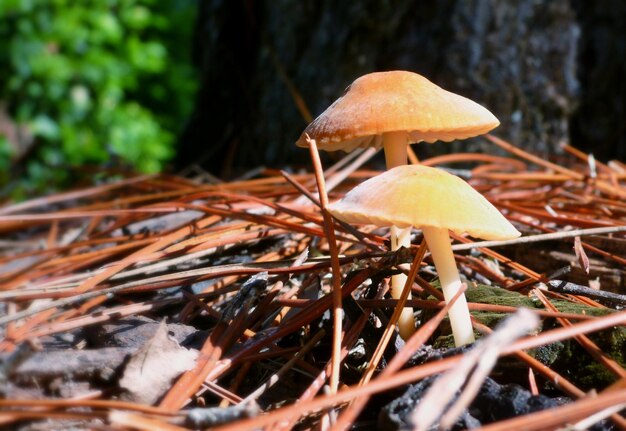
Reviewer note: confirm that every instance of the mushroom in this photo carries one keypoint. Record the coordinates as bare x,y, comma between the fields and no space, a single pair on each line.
392,110
434,201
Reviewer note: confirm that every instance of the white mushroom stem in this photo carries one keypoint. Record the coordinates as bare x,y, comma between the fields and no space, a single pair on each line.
406,321
394,144
438,241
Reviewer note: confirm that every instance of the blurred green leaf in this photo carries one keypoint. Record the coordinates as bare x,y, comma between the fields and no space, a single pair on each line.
44,127
6,154
100,82
136,17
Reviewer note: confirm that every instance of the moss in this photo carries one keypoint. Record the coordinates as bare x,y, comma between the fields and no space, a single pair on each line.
570,307
444,342
547,354
498,296
485,295
568,358
595,376
615,342
577,365
573,362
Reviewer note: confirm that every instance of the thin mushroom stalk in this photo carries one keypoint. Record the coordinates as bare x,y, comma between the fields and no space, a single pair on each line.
406,321
438,241
394,145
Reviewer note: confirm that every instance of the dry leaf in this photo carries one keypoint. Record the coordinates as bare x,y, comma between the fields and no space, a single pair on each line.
151,369
583,260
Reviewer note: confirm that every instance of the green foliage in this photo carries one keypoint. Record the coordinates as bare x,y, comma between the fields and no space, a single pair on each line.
93,82
6,153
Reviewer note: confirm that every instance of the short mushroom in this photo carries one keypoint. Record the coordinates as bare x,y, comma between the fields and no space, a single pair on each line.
434,201
394,109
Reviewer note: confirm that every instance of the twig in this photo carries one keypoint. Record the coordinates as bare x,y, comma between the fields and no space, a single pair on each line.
576,289
555,335
48,200
82,214
135,421
200,418
339,177
334,260
348,227
538,160
540,237
588,421
55,404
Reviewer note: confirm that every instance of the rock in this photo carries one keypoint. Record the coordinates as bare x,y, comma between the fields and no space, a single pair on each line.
492,403
135,331
150,370
71,364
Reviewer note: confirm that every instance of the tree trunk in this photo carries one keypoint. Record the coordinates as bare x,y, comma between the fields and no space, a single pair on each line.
268,66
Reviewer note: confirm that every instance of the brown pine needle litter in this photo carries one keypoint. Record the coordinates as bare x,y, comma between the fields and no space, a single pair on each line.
287,310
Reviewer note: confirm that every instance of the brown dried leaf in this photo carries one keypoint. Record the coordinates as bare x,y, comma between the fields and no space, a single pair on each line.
150,371
583,260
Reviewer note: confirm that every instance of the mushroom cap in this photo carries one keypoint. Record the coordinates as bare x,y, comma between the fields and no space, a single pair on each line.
396,101
415,195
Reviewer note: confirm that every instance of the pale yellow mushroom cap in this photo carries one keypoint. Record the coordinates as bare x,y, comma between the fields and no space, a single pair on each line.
415,195
396,101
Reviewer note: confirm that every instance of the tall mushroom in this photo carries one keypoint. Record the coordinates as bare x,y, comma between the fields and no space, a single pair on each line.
392,110
435,201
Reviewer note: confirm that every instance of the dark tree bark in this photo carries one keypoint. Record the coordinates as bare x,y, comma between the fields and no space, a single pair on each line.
269,65
599,124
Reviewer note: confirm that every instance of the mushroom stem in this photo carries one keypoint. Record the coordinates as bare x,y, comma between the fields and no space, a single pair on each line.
406,321
438,241
394,144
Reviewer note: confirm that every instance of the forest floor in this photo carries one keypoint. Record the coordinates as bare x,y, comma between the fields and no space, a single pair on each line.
170,303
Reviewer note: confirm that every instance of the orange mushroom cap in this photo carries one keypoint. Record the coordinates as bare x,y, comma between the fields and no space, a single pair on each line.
395,101
416,195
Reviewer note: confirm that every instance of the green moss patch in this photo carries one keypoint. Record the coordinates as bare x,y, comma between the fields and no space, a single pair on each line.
567,357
